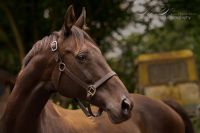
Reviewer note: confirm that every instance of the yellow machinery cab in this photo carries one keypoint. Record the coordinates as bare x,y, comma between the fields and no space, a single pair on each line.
169,75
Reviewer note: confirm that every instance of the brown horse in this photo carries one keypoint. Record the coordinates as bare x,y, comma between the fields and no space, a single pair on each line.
70,63
148,116
144,108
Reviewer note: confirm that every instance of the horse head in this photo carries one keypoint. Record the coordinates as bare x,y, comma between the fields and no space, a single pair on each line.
77,69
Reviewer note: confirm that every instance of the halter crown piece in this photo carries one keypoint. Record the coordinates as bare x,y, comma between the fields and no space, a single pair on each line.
90,89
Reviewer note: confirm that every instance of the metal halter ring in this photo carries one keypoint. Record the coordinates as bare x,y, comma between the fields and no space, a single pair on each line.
54,46
62,66
91,90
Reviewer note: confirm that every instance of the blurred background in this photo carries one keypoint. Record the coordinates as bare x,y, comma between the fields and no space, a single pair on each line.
140,37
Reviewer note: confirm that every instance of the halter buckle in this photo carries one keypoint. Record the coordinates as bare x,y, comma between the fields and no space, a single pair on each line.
54,46
62,66
91,90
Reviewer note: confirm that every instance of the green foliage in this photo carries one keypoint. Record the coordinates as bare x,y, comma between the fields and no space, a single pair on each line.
23,23
171,37
175,34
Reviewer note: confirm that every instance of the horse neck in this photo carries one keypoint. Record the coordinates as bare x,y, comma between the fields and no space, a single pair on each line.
26,101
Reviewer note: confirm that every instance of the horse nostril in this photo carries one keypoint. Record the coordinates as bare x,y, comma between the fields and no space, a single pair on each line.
126,106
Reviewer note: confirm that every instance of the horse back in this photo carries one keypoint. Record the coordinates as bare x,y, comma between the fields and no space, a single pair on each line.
154,116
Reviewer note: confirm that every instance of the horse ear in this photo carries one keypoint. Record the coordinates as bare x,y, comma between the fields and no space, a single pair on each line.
69,19
81,22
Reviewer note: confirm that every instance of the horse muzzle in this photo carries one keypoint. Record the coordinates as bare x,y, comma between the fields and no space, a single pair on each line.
120,112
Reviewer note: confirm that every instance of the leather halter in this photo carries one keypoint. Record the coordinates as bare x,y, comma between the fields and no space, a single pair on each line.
90,89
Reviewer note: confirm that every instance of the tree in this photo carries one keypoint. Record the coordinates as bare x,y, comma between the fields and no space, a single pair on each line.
23,23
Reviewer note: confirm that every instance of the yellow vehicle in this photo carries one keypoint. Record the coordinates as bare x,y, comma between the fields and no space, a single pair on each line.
170,75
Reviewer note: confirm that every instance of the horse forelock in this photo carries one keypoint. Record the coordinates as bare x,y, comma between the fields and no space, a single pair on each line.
80,36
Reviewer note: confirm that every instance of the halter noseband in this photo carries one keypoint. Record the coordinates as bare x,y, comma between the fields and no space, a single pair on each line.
90,89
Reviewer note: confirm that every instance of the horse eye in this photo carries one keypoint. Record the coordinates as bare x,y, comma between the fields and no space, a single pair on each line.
81,58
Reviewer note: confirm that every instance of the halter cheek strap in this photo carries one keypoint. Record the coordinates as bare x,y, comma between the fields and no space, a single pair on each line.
90,89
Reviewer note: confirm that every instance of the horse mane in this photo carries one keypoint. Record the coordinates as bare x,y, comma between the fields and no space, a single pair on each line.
38,47
78,34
